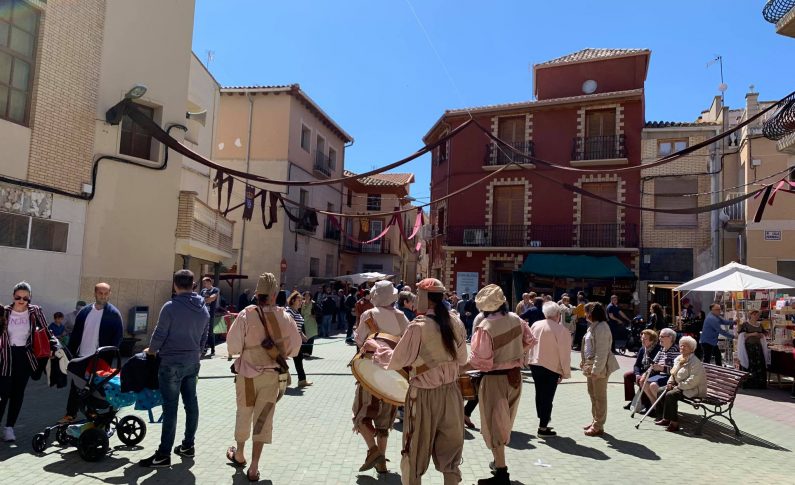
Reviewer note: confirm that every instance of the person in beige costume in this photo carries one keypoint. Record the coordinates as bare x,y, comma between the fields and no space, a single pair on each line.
372,417
499,341
257,379
434,346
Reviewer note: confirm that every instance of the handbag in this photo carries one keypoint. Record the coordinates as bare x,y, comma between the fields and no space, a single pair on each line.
219,325
41,343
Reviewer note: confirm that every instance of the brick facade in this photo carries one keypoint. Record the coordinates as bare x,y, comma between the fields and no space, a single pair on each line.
63,108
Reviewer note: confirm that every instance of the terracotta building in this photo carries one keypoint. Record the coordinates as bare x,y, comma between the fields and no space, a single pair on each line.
525,231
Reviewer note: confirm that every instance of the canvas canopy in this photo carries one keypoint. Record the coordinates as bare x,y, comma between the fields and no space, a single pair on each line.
359,278
736,277
576,266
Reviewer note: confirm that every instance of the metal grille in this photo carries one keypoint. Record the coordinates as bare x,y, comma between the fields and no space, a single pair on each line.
774,10
782,123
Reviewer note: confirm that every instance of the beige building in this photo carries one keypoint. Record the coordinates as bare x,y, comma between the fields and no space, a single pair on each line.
279,132
756,160
393,254
676,247
83,200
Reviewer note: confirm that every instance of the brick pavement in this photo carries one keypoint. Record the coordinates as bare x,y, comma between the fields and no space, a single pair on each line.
314,443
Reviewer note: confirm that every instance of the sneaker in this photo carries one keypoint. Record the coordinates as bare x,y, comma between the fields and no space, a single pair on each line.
628,406
8,435
66,419
545,432
305,383
156,461
183,451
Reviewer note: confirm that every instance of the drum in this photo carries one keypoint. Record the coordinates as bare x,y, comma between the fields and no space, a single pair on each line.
469,383
389,386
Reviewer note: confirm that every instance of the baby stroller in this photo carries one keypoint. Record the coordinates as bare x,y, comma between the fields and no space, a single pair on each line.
91,375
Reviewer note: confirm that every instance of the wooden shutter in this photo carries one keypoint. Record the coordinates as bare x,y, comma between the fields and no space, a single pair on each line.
600,122
598,219
508,216
511,129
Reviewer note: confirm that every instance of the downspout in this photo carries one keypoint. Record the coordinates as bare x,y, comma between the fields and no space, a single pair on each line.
714,187
248,170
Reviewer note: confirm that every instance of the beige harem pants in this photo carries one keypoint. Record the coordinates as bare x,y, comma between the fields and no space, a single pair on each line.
499,403
256,403
433,428
370,411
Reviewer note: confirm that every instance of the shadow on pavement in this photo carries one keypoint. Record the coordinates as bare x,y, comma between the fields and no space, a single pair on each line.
571,447
520,441
294,391
630,448
718,432
774,395
388,478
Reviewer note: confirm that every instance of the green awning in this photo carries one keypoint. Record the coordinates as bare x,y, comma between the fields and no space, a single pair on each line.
576,266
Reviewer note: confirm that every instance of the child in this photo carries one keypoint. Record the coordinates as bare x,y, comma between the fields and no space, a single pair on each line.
57,328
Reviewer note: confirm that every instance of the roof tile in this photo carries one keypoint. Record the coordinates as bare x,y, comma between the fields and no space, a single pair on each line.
591,54
383,179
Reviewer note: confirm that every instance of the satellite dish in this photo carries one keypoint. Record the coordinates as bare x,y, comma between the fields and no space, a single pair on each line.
722,87
589,86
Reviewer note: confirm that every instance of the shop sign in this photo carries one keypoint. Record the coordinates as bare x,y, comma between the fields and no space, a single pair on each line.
772,235
466,282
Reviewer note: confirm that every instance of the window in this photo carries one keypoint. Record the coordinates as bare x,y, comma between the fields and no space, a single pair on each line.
332,158
320,145
329,265
306,135
350,197
667,195
136,142
19,24
25,232
667,147
314,267
303,201
442,153
374,202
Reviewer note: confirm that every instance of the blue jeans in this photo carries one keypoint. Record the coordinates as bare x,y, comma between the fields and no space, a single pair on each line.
325,325
178,379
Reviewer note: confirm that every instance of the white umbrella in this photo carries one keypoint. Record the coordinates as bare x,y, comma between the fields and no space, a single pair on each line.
736,277
359,278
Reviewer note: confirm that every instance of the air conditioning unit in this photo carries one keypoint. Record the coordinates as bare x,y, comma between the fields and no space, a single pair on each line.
474,237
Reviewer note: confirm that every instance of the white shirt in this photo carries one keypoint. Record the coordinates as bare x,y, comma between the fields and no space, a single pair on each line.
19,328
90,341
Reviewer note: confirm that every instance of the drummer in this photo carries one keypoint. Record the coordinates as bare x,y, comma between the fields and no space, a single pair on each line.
435,346
373,418
499,342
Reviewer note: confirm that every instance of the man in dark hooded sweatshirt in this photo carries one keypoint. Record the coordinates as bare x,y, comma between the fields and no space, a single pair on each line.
178,339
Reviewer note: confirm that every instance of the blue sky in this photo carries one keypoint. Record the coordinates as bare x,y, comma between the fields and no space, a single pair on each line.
370,66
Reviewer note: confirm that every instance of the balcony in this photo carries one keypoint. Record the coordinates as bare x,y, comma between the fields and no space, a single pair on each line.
545,236
498,155
382,246
322,164
202,231
734,219
782,14
787,143
331,232
599,150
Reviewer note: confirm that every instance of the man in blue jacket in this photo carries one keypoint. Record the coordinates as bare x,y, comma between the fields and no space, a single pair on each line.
710,332
96,326
179,339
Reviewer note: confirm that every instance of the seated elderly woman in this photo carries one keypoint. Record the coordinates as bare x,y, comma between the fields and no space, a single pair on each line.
648,351
662,364
688,379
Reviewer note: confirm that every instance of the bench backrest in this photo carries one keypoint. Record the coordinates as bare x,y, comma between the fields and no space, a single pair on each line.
723,382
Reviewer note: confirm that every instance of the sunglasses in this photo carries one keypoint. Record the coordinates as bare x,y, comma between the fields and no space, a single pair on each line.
26,298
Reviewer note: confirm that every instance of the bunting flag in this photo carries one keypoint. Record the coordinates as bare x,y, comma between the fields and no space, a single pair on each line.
248,209
220,181
274,200
336,223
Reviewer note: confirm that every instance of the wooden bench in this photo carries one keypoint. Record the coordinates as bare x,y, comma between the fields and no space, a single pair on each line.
722,386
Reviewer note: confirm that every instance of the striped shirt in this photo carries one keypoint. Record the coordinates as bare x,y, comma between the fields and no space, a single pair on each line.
666,357
299,319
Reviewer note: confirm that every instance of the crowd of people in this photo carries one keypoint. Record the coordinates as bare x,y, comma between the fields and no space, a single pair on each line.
431,329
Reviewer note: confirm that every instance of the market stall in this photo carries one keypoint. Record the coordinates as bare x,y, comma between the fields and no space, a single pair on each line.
740,289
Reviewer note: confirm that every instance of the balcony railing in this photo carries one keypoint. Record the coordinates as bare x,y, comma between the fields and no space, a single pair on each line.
196,221
775,10
382,246
331,232
322,163
599,148
545,236
736,211
497,154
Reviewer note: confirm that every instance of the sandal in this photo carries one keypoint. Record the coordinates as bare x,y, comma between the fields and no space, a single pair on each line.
594,432
230,455
255,478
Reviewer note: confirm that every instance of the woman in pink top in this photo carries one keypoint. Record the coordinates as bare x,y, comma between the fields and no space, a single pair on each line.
499,342
434,345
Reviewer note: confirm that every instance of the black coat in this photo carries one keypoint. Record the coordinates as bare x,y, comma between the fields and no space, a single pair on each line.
111,328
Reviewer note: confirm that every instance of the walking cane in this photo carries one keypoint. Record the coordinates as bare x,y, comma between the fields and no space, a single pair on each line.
639,395
652,407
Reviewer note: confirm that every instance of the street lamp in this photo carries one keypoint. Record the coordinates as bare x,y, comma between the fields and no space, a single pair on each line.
115,114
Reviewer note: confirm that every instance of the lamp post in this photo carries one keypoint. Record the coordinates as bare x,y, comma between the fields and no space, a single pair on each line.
115,114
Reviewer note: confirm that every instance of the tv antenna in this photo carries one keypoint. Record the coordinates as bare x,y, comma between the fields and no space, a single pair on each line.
722,87
210,58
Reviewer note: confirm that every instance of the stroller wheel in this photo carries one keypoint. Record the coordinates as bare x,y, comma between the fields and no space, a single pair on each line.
60,436
39,442
131,430
93,444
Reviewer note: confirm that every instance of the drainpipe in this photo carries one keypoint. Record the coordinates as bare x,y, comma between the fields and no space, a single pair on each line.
248,170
